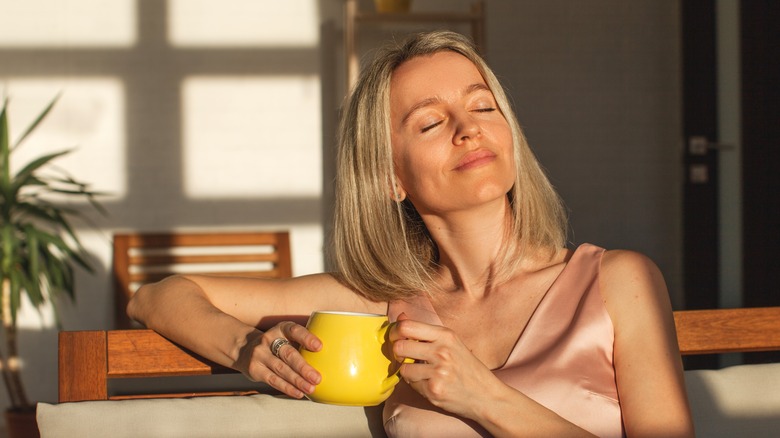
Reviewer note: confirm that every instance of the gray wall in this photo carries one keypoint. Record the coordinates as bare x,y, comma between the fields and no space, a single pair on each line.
596,87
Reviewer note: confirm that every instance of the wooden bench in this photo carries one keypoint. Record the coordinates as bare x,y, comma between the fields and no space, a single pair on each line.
88,360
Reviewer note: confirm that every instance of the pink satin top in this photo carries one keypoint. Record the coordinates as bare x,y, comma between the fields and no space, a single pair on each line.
562,359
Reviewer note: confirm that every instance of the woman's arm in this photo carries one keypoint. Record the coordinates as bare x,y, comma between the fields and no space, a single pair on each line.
647,358
221,319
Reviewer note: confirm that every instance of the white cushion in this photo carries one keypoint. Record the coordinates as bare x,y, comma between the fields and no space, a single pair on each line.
742,400
234,416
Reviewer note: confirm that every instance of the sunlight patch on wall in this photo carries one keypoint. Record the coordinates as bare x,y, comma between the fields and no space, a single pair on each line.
67,23
243,23
255,137
88,118
306,246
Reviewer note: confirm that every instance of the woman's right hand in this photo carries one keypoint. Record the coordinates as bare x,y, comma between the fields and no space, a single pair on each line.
288,372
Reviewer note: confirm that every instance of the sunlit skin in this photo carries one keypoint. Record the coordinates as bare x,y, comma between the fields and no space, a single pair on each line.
452,147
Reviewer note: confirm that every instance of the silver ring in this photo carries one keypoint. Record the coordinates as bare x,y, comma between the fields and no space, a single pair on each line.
277,345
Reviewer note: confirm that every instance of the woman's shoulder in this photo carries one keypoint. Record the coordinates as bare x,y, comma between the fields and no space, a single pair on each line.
618,266
633,287
627,266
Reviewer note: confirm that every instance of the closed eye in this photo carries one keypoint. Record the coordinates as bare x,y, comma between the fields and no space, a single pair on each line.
429,127
484,110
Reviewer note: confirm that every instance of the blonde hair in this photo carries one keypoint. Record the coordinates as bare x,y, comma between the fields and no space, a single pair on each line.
381,248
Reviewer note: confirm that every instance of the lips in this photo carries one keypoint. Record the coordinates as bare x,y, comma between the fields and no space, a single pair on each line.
474,159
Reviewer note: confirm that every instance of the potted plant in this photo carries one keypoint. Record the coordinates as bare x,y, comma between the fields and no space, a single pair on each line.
38,248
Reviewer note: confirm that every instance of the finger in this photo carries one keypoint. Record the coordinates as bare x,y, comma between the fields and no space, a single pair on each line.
413,373
402,328
300,335
404,349
293,359
278,375
393,333
416,330
284,369
281,375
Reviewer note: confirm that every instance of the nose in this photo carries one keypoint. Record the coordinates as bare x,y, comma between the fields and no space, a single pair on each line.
466,128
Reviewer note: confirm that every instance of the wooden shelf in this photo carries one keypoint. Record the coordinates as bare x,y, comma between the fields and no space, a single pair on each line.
414,17
475,17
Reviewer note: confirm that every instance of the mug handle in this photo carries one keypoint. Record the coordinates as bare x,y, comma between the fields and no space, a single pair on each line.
393,379
383,334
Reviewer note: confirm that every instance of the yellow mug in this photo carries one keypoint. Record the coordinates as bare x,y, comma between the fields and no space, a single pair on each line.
356,362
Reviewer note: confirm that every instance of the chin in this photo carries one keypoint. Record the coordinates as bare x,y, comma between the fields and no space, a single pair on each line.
492,190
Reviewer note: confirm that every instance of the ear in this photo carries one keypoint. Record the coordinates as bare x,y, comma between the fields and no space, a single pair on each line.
400,194
397,192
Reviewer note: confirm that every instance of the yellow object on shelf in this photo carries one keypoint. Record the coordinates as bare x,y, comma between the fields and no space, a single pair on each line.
393,6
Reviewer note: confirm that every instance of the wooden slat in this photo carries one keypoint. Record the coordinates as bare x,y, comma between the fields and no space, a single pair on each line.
135,353
82,366
173,259
149,277
164,240
284,263
728,330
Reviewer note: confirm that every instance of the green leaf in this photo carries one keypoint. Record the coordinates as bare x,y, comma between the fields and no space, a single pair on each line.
64,279
97,206
28,182
63,222
9,248
42,212
32,180
57,317
54,273
36,122
34,262
71,253
39,162
5,152
32,285
4,137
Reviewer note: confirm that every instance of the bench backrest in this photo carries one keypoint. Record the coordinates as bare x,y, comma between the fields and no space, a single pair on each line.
88,360
140,258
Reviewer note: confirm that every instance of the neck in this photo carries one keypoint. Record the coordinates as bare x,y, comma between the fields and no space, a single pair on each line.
469,242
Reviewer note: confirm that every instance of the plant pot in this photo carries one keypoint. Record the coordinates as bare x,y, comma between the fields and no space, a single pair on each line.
392,6
21,423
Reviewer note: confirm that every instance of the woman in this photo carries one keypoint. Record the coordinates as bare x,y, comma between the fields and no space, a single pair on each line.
445,222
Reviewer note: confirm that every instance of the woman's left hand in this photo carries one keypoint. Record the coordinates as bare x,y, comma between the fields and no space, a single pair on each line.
445,371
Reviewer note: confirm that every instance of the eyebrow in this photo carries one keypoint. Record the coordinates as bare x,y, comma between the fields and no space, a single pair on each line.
473,88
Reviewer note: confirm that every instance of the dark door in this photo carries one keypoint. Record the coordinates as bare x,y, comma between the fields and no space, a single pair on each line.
761,155
700,162
700,128
759,151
